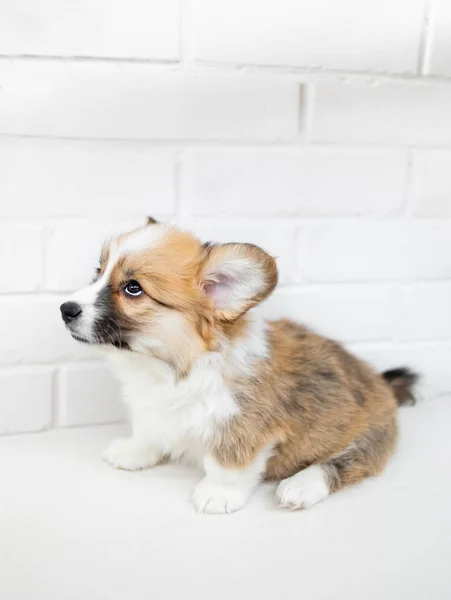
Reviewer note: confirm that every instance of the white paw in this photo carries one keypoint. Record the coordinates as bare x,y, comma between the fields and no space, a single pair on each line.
124,453
304,489
215,498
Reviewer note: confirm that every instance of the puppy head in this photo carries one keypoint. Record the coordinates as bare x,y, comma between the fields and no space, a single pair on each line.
159,291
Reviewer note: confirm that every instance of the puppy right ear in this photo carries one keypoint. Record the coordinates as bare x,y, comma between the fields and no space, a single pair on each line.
151,221
236,277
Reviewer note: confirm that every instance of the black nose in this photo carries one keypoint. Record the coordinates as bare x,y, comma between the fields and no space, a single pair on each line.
70,311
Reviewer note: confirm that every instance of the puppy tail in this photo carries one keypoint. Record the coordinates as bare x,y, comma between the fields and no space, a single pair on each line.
401,382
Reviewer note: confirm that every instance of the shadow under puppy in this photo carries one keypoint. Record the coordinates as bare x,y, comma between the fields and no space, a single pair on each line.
206,381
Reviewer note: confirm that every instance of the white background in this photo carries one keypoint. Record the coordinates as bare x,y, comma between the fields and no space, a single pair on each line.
319,129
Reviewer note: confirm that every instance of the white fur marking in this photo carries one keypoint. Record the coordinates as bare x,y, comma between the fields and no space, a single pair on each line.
242,353
227,490
215,498
137,241
304,489
131,454
86,298
143,239
180,417
177,417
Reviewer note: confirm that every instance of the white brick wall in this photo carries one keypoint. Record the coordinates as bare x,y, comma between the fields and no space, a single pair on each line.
388,112
113,28
83,239
349,313
32,333
297,182
25,399
79,179
318,129
345,34
432,187
26,244
440,59
88,394
397,249
99,100
432,301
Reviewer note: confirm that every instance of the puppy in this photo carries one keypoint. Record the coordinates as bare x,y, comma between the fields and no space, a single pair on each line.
206,381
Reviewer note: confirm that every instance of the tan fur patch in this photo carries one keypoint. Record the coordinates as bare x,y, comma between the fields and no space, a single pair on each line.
309,398
172,310
172,273
313,400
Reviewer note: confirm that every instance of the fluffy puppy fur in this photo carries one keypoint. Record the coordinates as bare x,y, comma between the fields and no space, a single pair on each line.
207,382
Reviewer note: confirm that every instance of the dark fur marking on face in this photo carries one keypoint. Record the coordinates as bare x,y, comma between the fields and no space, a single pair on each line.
109,327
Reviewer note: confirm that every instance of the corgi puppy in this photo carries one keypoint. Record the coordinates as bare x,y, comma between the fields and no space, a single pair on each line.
208,382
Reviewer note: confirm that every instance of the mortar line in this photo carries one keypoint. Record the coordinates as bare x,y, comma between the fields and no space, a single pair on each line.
424,54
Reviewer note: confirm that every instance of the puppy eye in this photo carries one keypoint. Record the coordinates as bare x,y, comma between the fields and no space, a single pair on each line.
133,289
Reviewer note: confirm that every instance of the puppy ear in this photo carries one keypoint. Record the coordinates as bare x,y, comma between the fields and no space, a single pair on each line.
236,277
151,221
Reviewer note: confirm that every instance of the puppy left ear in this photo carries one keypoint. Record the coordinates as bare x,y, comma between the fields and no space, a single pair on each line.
236,277
151,221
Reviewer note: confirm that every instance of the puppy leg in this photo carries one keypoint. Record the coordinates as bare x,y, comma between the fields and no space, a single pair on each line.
365,457
225,490
304,489
133,453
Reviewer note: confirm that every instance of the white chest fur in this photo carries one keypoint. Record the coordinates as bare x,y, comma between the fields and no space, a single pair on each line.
178,416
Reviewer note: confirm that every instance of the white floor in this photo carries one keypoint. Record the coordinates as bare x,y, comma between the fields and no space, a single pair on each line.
72,527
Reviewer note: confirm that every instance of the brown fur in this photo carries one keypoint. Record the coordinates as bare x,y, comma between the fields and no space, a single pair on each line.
317,404
174,274
168,273
310,399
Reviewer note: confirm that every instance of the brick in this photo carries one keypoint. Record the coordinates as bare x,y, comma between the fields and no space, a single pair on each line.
440,57
424,312
25,399
431,360
69,178
277,241
89,394
99,100
21,257
78,244
33,331
387,113
347,313
365,251
313,182
432,183
136,29
343,34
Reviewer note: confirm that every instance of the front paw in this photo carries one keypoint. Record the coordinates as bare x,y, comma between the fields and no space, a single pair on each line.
125,453
215,498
